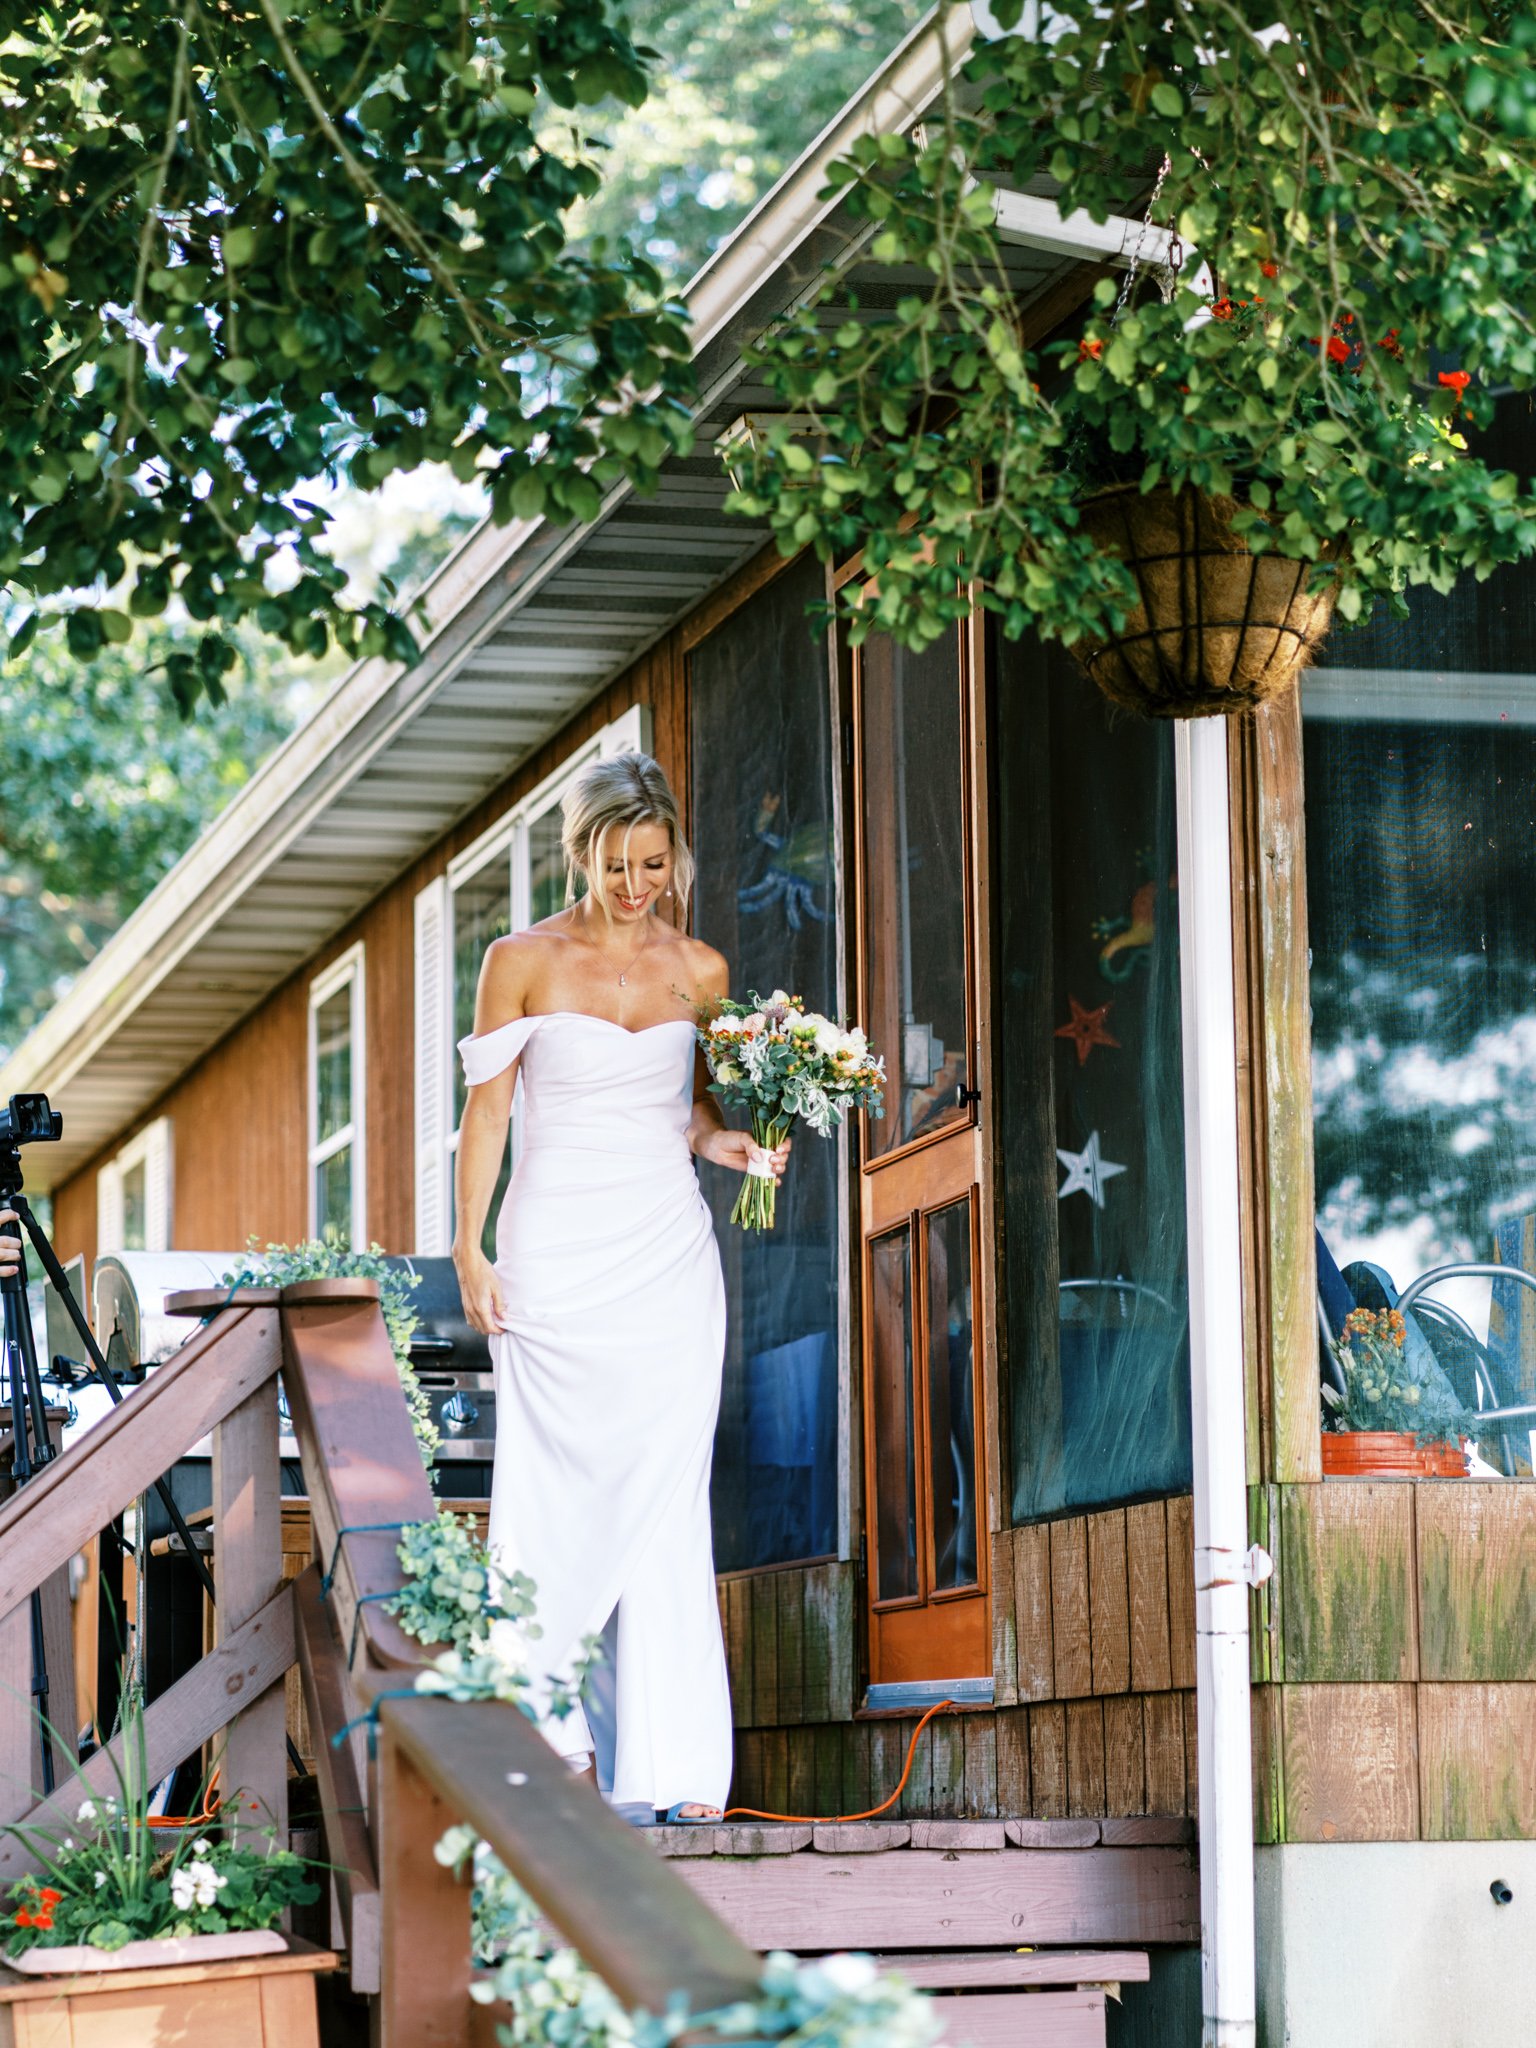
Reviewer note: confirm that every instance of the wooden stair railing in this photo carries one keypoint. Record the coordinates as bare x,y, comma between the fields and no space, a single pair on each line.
404,1919
436,1762
219,1382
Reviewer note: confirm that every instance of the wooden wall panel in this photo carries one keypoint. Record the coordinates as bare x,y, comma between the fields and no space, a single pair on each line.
1181,1589
1109,1602
1163,1729
1005,1633
1351,1764
1146,1543
1085,1757
1048,1761
1286,1124
1476,1579
1070,1623
1346,1563
1125,1761
1036,1651
1478,1762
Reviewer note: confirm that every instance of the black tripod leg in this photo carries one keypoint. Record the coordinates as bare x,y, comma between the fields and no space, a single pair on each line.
40,1693
103,1374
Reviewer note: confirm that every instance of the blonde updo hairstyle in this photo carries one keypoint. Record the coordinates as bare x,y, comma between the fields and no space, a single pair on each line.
602,807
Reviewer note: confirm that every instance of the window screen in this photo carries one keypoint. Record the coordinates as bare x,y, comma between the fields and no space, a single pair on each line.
762,835
1091,1095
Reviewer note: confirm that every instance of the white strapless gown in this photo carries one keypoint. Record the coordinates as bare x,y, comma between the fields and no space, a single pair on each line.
608,1387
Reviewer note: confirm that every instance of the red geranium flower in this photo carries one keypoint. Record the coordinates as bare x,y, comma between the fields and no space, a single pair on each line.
1269,269
1457,381
1221,309
24,1919
1338,349
50,1898
1089,350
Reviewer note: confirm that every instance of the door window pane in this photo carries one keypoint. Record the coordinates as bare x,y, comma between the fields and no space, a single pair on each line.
951,1397
915,896
333,1195
333,1064
761,738
1420,792
891,1393
135,1207
1090,1081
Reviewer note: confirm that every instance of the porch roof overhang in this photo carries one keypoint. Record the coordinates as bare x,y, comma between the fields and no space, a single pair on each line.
525,624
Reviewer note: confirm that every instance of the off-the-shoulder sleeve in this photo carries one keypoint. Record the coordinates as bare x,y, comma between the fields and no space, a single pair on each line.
494,1051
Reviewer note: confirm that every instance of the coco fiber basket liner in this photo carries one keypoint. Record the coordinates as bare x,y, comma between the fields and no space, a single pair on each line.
1218,629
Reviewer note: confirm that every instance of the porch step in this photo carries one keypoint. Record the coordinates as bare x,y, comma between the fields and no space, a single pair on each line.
952,1898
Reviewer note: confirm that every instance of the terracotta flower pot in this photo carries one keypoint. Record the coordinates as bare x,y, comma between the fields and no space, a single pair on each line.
1218,630
1388,1453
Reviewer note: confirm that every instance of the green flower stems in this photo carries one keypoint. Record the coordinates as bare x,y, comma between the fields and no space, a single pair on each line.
755,1204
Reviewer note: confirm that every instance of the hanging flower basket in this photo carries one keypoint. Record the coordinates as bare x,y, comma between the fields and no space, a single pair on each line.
1218,630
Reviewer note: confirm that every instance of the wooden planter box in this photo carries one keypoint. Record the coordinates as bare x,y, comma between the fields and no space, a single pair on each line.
256,2002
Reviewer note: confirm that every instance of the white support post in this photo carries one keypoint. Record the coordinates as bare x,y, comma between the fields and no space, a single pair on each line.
1216,1385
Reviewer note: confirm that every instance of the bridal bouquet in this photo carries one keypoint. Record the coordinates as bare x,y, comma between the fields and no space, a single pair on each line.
779,1061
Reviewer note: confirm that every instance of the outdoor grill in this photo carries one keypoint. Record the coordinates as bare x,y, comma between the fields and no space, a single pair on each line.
452,1361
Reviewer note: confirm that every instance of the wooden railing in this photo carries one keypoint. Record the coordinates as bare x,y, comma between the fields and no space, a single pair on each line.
410,1765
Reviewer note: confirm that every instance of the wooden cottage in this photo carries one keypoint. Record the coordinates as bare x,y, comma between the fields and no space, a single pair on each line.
1196,1041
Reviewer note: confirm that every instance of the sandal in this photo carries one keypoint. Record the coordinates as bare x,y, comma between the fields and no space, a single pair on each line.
676,1818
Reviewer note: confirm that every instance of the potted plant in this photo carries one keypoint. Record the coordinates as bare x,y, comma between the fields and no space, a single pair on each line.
1324,225
106,1896
1391,1420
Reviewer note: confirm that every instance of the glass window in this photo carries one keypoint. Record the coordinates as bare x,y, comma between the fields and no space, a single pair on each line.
1420,794
761,735
333,1063
136,1207
336,1104
914,780
1090,1093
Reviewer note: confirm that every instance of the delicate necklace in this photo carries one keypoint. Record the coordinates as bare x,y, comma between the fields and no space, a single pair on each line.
628,966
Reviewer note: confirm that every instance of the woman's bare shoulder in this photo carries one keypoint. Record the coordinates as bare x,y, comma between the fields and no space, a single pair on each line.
702,972
510,967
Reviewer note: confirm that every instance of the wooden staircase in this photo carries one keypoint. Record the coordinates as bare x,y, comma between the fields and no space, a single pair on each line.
976,1924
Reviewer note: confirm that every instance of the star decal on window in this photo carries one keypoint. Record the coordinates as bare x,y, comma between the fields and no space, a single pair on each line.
1086,1029
1087,1171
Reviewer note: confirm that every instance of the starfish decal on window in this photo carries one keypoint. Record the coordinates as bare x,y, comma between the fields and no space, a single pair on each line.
1086,1029
1087,1171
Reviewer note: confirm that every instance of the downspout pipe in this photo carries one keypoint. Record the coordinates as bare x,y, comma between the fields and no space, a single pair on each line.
1224,1565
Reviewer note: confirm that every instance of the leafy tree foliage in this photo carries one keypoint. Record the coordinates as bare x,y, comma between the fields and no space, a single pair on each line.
247,244
1362,181
738,88
103,786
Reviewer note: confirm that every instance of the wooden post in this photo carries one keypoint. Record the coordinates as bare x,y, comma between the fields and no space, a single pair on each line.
424,1921
247,1489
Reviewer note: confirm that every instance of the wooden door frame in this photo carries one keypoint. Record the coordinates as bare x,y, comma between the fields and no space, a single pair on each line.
978,1191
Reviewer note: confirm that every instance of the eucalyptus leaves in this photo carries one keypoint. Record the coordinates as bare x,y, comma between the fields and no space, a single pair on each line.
1349,173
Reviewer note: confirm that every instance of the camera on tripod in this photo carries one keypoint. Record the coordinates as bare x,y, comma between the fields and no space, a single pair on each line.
29,1120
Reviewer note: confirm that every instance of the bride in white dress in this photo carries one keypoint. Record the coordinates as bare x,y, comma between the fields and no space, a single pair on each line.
605,1307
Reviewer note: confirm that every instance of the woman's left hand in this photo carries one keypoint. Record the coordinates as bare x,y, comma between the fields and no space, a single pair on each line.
739,1149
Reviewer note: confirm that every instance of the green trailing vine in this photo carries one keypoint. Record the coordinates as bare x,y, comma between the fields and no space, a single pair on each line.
282,1265
1361,180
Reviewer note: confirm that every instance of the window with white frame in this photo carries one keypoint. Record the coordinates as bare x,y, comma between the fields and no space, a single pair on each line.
512,877
133,1194
337,1118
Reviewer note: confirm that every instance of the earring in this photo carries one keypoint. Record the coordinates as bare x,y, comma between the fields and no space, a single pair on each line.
669,893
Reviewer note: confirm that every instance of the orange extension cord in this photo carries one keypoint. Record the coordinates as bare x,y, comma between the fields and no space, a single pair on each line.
825,1819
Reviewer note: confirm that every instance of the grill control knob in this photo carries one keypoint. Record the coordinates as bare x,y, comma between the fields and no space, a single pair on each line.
459,1412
